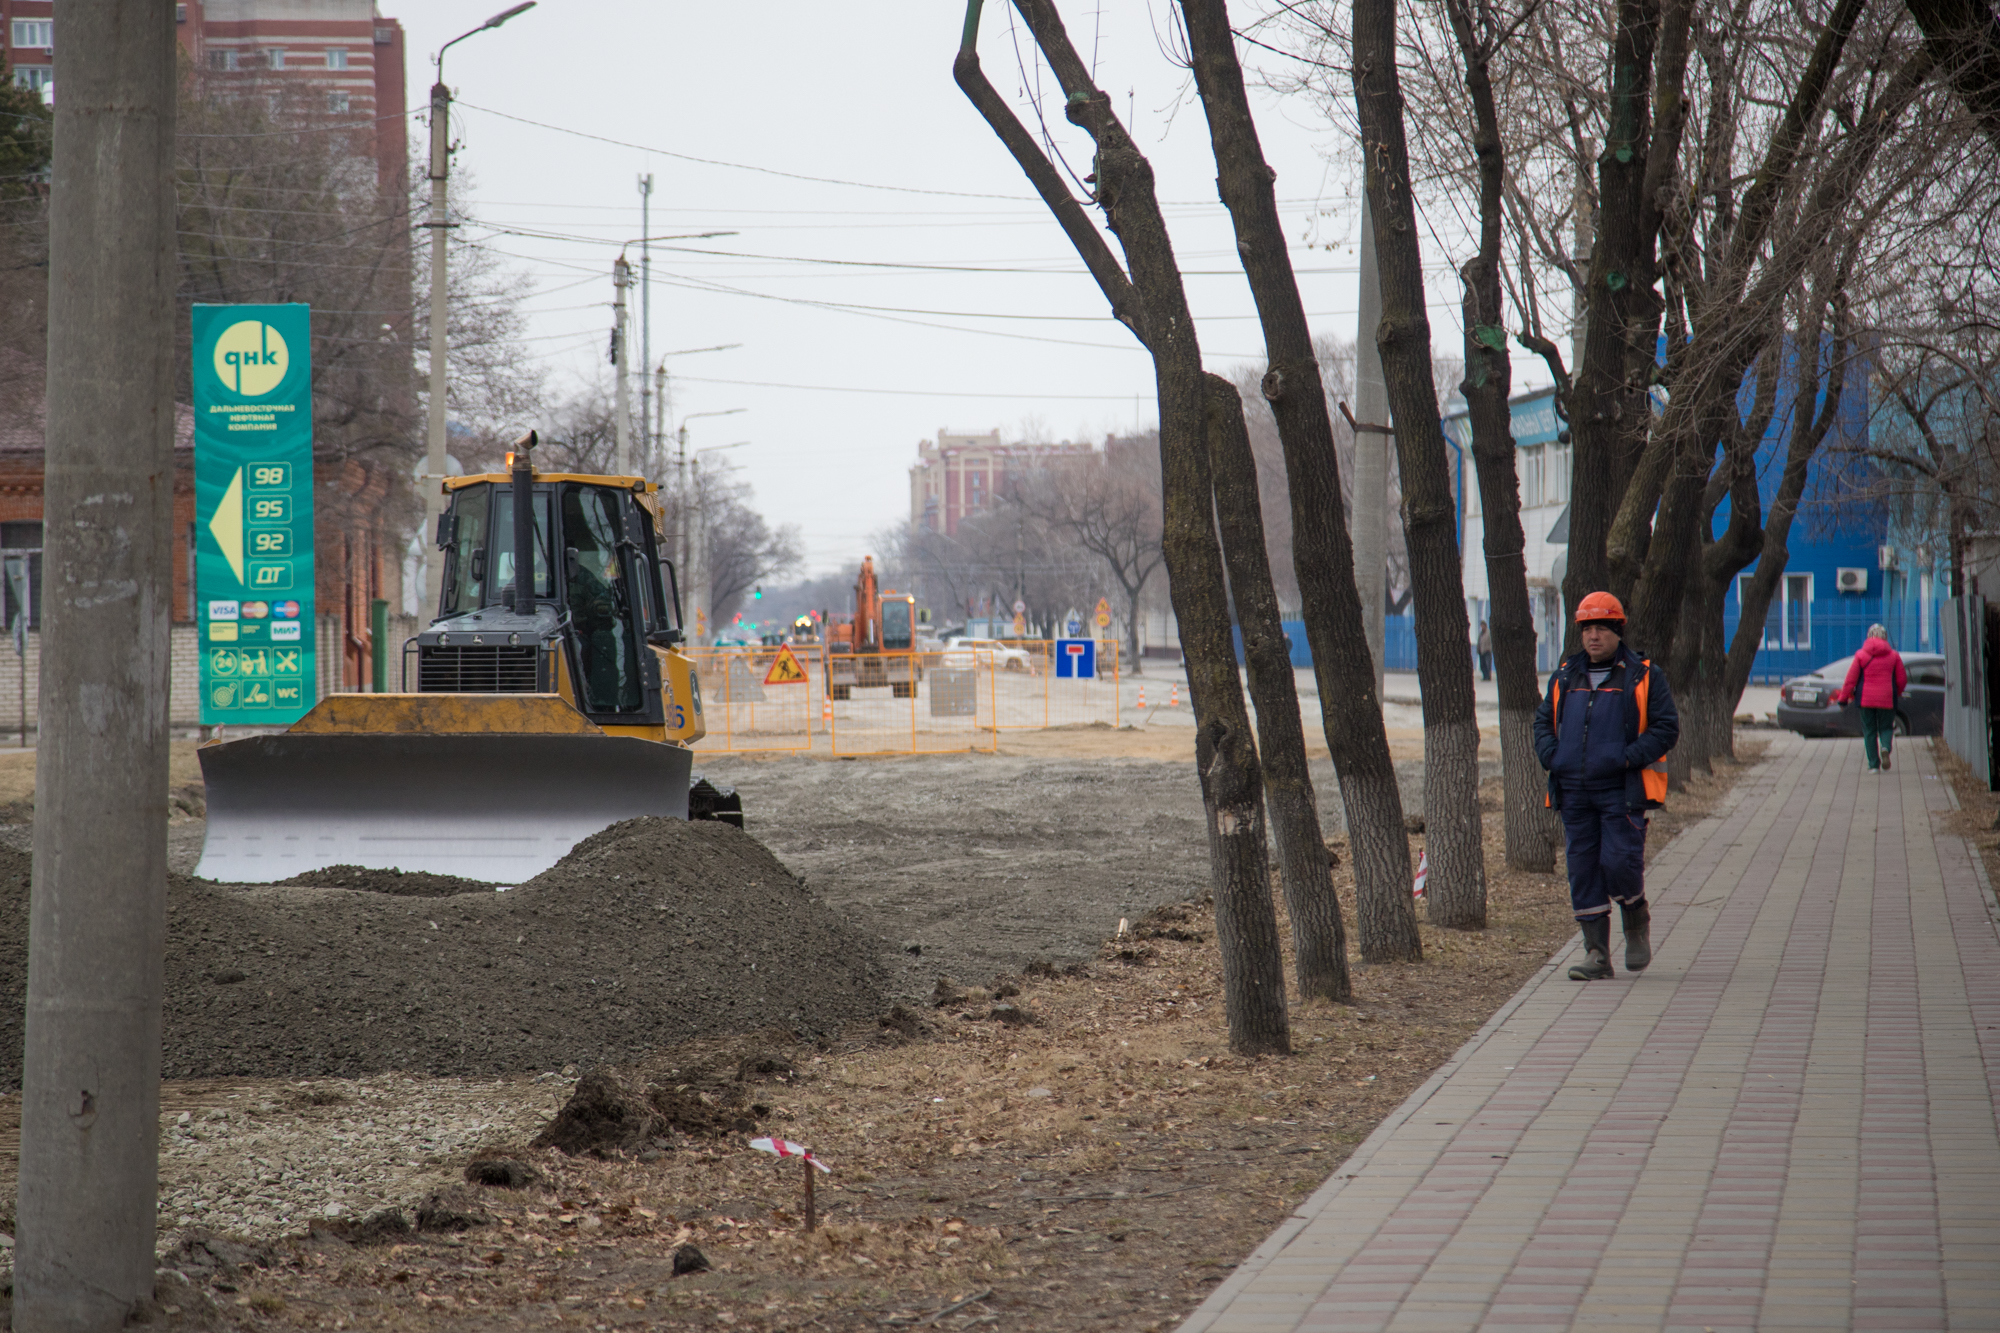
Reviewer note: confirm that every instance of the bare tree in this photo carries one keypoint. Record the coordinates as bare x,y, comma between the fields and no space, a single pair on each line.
1457,892
1323,555
1109,507
1146,294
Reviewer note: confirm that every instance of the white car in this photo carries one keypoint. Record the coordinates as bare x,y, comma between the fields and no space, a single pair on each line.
962,653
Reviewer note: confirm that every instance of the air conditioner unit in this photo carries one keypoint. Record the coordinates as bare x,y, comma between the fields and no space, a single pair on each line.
1850,580
1885,557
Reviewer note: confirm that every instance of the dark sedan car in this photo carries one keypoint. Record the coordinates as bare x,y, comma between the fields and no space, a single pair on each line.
1806,705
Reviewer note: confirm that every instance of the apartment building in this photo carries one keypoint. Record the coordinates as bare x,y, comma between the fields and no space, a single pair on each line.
343,58
958,475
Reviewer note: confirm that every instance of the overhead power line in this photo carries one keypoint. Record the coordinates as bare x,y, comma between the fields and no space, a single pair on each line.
906,393
741,166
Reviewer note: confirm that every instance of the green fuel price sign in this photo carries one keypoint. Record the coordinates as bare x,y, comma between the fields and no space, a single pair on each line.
253,505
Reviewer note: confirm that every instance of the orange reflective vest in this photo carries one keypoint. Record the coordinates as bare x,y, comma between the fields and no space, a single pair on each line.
1653,777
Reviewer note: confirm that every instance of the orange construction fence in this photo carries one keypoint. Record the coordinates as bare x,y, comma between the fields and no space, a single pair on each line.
931,702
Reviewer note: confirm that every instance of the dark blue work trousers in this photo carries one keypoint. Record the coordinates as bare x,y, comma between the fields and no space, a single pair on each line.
1606,844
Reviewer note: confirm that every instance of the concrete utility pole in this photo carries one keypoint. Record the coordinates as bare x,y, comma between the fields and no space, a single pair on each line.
90,1097
621,356
645,316
438,225
1371,455
435,470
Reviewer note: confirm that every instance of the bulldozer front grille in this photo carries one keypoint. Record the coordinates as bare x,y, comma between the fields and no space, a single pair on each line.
477,669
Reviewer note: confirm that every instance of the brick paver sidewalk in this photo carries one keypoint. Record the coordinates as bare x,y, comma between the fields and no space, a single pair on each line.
1786,1122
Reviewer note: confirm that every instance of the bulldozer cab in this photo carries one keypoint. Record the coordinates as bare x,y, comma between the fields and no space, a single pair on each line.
595,603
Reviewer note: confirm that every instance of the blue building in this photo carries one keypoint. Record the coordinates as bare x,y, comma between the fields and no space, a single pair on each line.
1852,561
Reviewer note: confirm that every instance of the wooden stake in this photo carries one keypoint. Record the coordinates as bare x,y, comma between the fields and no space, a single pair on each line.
812,1219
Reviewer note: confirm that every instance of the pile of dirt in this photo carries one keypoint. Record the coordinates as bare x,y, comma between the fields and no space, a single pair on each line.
411,884
607,1114
651,933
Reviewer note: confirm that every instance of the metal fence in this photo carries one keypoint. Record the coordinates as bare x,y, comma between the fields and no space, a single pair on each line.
1805,636
1043,683
747,712
1968,727
910,703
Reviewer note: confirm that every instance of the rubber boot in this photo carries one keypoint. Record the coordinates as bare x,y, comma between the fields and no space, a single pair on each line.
1638,919
1596,964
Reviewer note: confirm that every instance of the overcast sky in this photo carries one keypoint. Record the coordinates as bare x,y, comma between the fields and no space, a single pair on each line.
1003,328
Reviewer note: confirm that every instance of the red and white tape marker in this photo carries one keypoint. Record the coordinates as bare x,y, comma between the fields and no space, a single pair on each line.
785,1148
1423,874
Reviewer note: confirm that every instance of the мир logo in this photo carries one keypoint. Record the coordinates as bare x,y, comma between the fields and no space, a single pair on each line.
251,357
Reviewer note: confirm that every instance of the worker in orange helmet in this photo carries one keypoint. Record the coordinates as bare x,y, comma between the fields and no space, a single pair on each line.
1601,732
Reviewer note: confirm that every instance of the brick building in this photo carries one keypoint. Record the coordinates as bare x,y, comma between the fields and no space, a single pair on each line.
346,56
959,475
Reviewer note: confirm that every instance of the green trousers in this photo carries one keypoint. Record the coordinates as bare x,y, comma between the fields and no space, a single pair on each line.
1878,729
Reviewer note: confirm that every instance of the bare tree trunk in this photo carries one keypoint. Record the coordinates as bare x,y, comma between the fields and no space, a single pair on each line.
1153,303
1319,940
1457,886
1133,665
1965,40
1531,828
1323,556
1601,410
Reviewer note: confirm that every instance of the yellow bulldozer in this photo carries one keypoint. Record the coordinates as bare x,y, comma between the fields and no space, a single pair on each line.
550,698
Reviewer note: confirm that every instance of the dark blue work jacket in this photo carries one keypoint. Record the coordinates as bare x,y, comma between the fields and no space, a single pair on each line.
1611,737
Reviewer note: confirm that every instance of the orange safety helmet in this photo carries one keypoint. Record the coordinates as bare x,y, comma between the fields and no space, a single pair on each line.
1599,606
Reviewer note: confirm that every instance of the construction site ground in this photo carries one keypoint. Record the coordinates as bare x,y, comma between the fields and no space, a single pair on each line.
1082,1154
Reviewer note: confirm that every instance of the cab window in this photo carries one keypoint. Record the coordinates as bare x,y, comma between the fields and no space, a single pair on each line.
465,583
598,594
502,576
896,625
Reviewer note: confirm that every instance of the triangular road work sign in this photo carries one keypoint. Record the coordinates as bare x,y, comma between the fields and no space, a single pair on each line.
786,670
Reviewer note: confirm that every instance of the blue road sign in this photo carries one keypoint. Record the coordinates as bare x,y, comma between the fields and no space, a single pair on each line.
1076,659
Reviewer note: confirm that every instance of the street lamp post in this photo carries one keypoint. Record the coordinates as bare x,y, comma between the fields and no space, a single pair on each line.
439,225
698,603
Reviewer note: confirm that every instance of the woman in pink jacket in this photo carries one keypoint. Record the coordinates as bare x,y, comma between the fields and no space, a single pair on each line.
1879,678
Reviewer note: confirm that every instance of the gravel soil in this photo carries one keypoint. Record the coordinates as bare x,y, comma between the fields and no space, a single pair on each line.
1082,1154
653,932
977,864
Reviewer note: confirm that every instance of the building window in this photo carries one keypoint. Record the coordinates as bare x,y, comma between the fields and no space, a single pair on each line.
385,36
1531,477
1555,484
1788,620
23,537
222,59
337,103
337,58
34,32
275,57
180,13
34,77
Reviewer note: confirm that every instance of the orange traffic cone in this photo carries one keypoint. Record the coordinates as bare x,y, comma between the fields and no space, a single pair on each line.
1142,698
826,709
1174,701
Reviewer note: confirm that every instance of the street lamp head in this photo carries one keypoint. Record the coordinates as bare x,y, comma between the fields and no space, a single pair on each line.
501,18
493,22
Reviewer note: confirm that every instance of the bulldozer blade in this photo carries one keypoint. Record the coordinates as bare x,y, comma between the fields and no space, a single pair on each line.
497,808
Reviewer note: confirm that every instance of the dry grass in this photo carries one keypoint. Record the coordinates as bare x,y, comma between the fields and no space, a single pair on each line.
1102,1167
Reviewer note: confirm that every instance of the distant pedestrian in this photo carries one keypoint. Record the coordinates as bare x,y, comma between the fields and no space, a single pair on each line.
1878,676
1605,778
1485,652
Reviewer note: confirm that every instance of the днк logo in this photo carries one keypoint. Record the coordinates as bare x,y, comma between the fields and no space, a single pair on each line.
250,358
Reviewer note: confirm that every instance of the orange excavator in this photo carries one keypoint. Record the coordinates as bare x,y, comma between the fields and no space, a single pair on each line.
875,646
